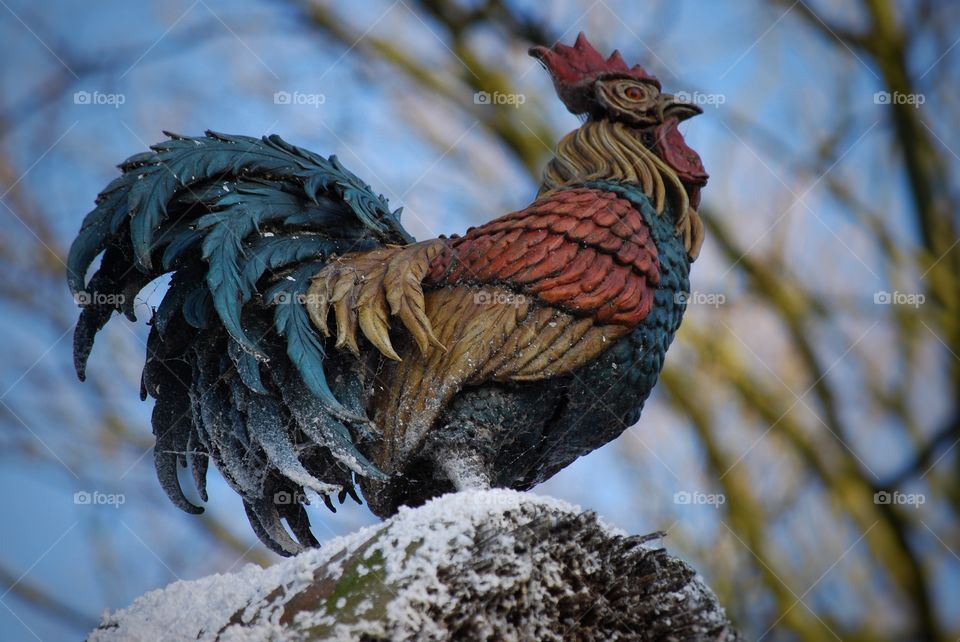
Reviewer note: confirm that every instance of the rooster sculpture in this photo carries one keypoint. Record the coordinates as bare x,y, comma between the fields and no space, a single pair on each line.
306,341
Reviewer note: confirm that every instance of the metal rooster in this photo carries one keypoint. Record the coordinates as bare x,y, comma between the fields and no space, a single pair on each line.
493,358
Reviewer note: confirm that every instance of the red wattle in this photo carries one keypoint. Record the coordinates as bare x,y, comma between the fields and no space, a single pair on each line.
673,150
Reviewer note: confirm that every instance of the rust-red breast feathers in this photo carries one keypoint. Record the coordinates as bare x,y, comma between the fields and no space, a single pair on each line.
582,250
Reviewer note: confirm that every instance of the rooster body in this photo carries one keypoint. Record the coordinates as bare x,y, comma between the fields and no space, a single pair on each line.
306,340
538,371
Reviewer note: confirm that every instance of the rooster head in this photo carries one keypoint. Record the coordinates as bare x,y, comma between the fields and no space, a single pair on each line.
599,87
607,89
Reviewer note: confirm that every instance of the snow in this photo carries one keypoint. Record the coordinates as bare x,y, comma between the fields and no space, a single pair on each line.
412,577
202,609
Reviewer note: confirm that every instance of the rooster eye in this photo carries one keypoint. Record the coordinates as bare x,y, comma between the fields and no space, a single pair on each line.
633,93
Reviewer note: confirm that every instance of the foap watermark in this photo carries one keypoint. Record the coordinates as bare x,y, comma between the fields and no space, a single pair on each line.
898,98
485,297
700,98
896,498
915,299
490,498
498,98
715,299
696,498
97,498
98,98
298,98
285,297
83,298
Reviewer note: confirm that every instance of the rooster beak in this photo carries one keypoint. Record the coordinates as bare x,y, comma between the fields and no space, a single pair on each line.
672,107
545,56
538,52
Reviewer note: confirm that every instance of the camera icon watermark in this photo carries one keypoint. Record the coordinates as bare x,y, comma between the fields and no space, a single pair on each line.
696,498
499,98
98,98
914,299
285,298
896,498
898,98
299,98
97,498
700,98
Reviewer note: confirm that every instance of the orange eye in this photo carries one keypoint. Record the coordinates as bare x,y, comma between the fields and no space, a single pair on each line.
633,93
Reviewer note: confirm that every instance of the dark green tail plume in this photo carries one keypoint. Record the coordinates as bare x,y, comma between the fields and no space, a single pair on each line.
242,224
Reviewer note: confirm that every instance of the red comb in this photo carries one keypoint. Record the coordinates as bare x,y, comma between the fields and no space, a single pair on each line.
574,65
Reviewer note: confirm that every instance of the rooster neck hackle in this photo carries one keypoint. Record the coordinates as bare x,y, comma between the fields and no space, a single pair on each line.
606,150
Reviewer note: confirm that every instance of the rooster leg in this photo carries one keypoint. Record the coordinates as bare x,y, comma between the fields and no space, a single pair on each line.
463,467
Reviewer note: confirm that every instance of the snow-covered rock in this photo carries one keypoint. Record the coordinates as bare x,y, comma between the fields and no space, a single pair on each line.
475,565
